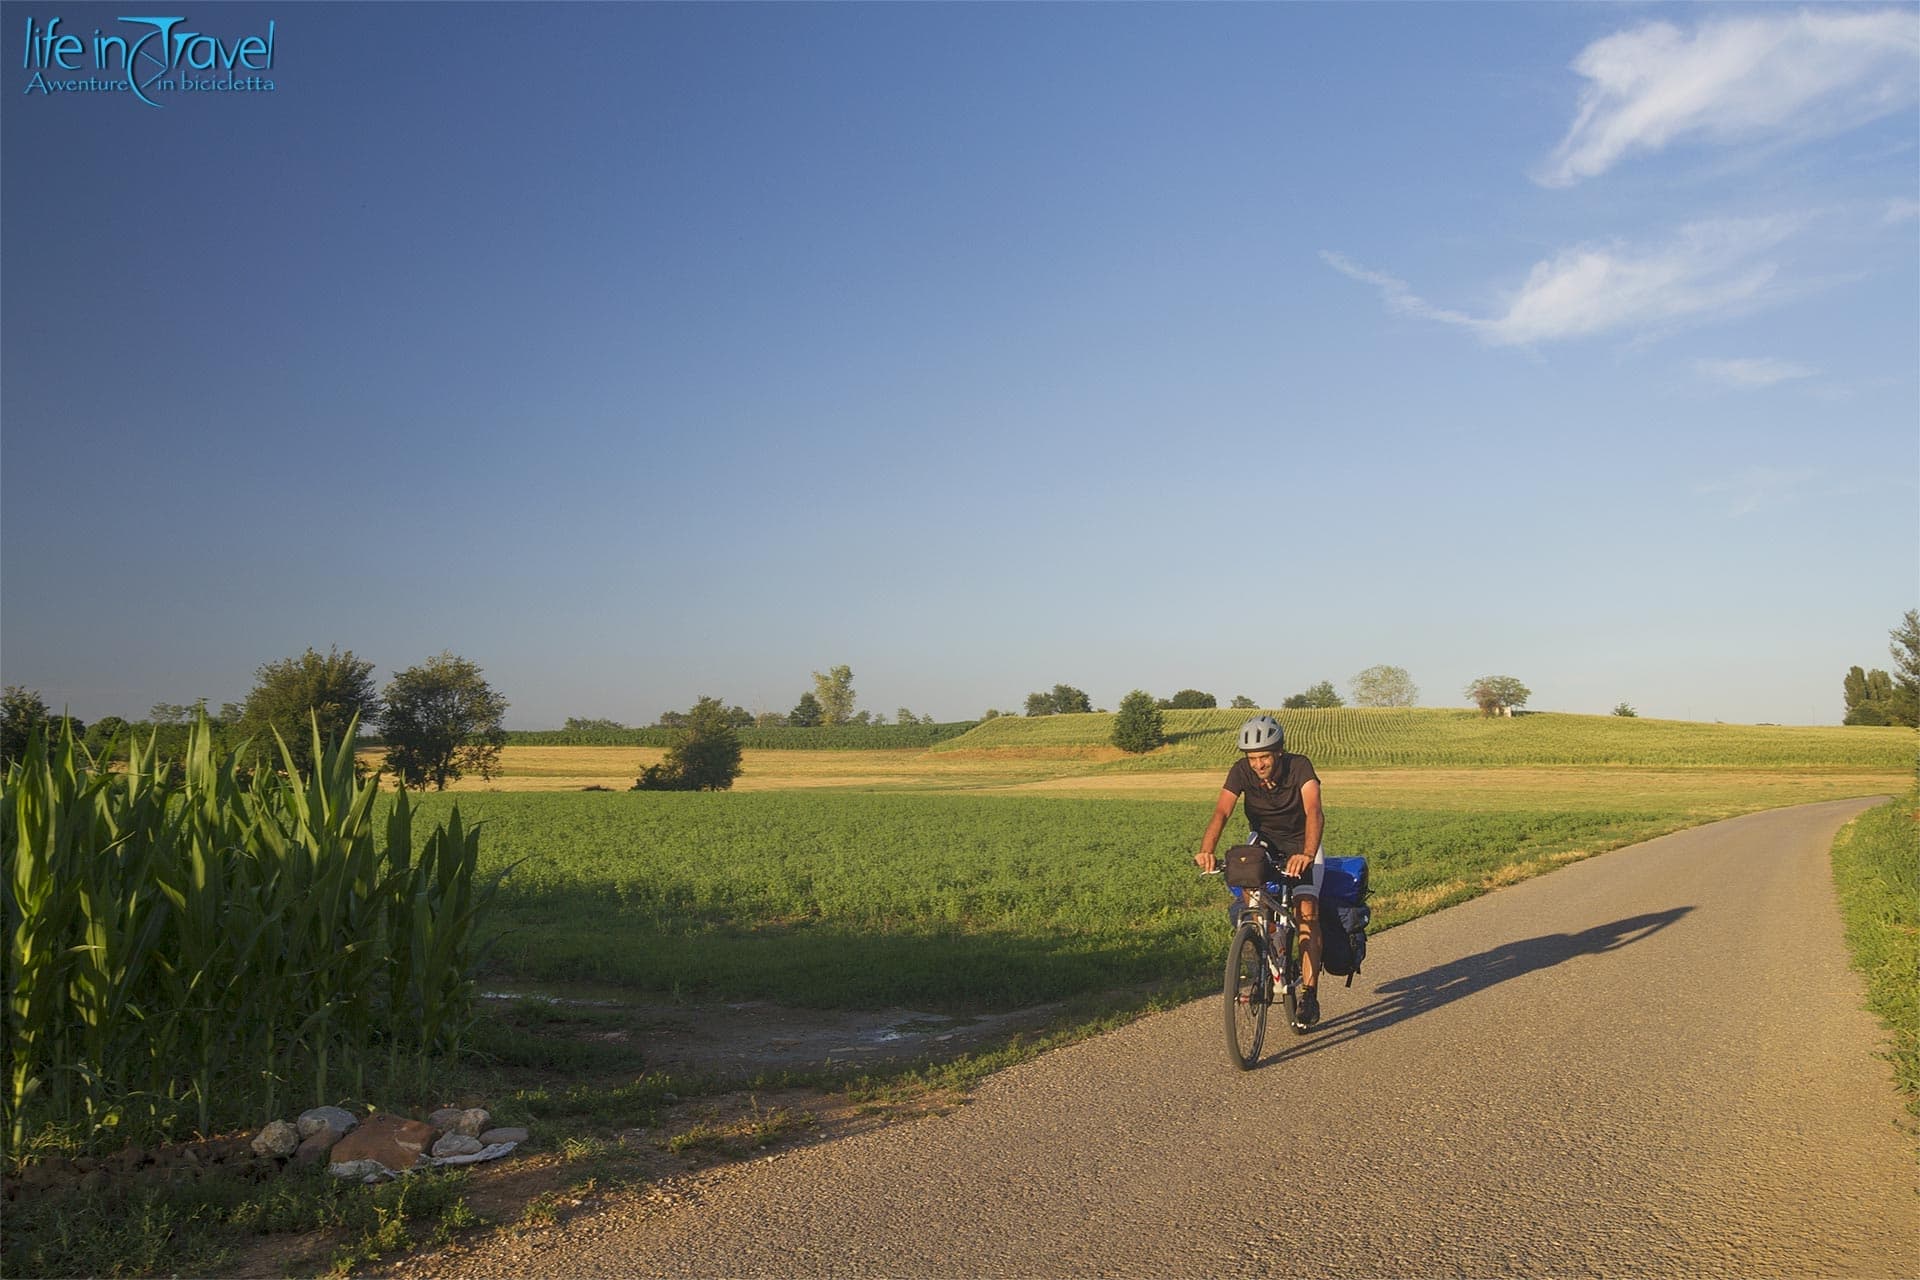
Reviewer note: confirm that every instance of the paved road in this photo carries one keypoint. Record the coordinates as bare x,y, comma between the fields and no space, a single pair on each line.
1651,1063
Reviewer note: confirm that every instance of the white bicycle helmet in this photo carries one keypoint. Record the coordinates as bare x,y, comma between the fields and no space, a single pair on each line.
1262,733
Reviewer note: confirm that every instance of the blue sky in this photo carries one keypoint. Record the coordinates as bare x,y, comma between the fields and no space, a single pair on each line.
643,351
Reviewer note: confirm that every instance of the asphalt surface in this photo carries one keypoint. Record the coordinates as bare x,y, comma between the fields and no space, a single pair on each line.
1650,1063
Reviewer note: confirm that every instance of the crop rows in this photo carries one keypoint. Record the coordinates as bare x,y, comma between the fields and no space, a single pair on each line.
1349,737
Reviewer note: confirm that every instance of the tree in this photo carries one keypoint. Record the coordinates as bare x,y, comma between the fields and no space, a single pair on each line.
442,720
1064,699
1138,726
1625,709
769,720
705,755
672,720
21,712
834,692
1384,686
1241,702
1319,695
1498,695
1067,700
291,696
1854,689
1190,700
581,724
807,713
904,716
105,733
1904,707
991,713
1873,698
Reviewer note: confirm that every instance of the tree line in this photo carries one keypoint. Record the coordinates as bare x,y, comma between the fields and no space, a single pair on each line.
438,720
1876,698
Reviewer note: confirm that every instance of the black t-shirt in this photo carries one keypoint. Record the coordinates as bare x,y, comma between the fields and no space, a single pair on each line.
1276,812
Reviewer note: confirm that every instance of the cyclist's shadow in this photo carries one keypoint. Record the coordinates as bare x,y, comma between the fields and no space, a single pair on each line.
1415,994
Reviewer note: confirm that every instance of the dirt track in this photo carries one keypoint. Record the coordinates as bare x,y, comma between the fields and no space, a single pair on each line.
1650,1063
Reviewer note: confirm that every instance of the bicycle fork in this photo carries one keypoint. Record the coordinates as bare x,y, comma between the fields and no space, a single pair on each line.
1279,939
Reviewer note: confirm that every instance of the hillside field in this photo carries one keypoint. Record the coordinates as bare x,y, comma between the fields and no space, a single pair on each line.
1072,754
1421,737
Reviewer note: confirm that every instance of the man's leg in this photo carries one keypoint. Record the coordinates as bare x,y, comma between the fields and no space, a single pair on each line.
1306,914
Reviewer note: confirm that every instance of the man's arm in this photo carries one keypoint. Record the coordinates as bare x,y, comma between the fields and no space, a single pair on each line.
1316,823
1222,810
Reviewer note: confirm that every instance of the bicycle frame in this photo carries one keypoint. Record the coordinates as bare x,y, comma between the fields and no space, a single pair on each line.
1272,906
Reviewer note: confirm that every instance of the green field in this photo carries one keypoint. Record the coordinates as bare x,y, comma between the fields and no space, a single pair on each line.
951,902
1025,861
1421,737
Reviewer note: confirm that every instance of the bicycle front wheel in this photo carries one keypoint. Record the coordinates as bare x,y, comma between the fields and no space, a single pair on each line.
1248,993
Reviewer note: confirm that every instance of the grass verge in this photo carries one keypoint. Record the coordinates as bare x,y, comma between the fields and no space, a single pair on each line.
1876,869
206,1226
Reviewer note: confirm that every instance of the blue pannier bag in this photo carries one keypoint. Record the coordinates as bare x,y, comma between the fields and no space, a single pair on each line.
1344,916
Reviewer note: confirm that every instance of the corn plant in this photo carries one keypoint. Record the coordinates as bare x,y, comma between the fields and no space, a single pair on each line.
198,945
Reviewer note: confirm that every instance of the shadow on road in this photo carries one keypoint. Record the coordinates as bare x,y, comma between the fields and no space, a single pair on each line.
1415,994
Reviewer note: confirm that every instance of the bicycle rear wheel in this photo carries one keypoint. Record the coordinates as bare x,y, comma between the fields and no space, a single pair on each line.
1248,993
1290,972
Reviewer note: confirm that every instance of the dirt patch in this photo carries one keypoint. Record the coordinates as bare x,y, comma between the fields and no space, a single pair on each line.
748,1038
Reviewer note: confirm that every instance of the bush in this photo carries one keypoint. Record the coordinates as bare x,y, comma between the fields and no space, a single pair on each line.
1138,726
705,755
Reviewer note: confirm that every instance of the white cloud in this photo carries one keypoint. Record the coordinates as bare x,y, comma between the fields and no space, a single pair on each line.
1398,297
1761,488
1807,74
1708,268
1749,374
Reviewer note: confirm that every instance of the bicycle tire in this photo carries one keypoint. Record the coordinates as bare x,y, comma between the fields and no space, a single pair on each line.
1247,993
1291,972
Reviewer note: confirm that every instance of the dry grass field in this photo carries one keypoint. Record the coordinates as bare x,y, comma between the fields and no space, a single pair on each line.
1707,792
913,768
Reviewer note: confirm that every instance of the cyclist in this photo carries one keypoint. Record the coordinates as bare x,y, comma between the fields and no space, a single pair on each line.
1282,794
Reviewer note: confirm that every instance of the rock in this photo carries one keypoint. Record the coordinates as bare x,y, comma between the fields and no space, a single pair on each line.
392,1141
362,1170
338,1119
278,1139
457,1144
317,1144
492,1136
445,1119
472,1122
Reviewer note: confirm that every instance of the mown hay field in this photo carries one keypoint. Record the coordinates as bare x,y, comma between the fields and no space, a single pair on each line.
548,768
